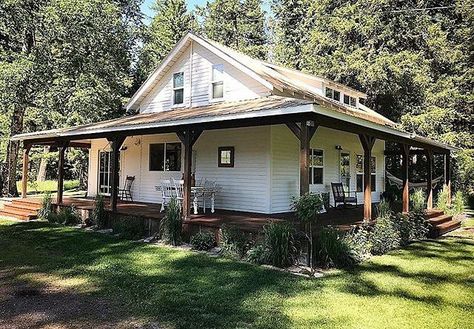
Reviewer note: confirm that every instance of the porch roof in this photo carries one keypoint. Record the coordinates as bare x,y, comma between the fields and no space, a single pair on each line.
254,112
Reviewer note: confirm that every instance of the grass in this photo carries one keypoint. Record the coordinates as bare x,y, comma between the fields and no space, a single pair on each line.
426,285
48,185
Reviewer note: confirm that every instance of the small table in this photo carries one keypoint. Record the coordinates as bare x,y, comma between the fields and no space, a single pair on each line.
197,191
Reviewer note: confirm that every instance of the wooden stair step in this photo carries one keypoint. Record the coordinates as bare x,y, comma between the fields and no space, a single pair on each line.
432,213
29,207
448,226
17,214
440,219
25,212
30,202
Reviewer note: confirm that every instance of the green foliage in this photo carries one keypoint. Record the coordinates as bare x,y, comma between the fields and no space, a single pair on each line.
129,227
49,186
66,215
359,240
385,236
99,214
235,242
458,203
418,201
258,254
171,224
331,249
46,207
307,207
203,241
442,202
279,240
384,209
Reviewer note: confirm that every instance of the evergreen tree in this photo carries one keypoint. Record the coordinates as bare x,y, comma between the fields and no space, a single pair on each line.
236,24
171,22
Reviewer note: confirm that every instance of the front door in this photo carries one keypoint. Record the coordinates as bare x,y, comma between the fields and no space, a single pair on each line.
105,164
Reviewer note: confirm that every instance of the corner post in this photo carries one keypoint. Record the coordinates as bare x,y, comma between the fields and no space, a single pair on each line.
62,149
24,176
447,174
367,144
116,144
405,192
429,178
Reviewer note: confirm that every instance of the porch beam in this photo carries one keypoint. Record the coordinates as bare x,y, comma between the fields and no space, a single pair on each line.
24,176
429,179
367,144
447,175
405,150
295,129
412,152
306,130
116,144
62,150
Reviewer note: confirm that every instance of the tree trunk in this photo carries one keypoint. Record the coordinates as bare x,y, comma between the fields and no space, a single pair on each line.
9,171
43,164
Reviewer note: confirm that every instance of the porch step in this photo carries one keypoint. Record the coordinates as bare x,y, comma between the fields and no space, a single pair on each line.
34,202
433,213
23,206
22,209
441,223
18,214
447,227
440,219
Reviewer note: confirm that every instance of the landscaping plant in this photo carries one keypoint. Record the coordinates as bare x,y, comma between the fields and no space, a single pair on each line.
235,242
65,216
129,227
418,199
99,215
203,241
46,207
332,249
385,236
279,240
258,254
171,224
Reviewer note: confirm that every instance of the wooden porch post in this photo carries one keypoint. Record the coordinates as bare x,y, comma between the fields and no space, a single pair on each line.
429,178
367,144
62,149
188,138
304,132
24,176
116,144
447,174
405,193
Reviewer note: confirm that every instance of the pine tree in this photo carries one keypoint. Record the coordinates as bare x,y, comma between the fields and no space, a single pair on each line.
171,22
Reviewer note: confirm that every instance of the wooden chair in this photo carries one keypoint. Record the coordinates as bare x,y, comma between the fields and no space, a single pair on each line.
125,193
341,196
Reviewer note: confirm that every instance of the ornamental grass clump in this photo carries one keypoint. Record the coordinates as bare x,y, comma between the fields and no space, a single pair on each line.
235,242
203,241
171,224
332,249
99,215
279,240
46,207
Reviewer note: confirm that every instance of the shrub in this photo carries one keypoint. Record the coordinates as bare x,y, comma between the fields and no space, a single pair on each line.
235,242
203,241
129,227
383,209
65,216
331,249
359,240
385,236
46,207
99,215
171,224
443,198
421,226
418,201
405,226
279,240
458,203
258,254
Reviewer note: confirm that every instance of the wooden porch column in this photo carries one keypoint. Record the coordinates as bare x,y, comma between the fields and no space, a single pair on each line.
116,144
447,174
304,132
188,138
367,144
429,179
405,149
62,149
24,176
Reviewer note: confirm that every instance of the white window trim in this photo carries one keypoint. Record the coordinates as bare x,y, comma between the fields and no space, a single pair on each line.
323,166
341,94
173,90
164,157
355,98
211,99
362,172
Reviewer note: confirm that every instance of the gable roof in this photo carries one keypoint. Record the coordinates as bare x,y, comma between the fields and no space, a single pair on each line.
278,79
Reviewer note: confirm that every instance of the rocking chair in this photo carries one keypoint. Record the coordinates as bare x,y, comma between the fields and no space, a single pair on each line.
125,193
341,196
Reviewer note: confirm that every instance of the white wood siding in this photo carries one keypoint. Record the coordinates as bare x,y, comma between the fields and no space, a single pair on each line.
237,85
285,164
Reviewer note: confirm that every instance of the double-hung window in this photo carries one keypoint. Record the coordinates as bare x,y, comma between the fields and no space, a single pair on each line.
360,173
217,81
178,88
349,100
316,166
165,157
333,94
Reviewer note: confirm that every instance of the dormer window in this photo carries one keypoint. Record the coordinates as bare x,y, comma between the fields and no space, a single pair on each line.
178,88
349,100
217,81
333,94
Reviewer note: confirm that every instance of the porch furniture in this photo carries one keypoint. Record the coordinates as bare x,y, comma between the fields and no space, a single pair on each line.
125,193
344,197
205,192
168,191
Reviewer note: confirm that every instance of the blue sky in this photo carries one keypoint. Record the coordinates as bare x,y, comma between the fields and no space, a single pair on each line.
191,4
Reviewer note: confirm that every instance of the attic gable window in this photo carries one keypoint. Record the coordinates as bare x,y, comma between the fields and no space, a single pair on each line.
178,88
333,94
217,81
349,100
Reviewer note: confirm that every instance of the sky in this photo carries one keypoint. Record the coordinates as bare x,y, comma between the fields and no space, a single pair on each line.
190,3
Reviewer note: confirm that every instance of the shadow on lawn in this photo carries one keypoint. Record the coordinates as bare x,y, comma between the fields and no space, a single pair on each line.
139,281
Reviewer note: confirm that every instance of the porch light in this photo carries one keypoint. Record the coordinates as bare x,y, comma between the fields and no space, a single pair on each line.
339,147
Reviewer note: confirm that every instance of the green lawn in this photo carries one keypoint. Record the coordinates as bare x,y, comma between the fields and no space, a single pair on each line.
48,185
427,285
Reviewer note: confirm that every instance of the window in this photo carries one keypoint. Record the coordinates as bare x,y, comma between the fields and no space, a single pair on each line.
349,100
165,157
178,88
217,81
333,94
360,173
316,166
226,156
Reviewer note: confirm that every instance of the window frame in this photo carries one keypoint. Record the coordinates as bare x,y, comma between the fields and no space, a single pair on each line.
312,167
350,98
176,89
372,174
332,92
220,164
212,82
164,157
